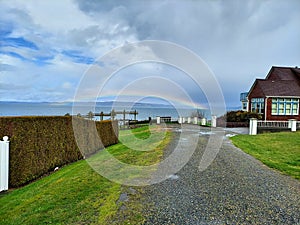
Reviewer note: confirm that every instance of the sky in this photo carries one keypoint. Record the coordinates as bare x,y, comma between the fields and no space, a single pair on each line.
47,46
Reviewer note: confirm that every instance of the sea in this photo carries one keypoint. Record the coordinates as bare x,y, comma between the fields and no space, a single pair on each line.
145,110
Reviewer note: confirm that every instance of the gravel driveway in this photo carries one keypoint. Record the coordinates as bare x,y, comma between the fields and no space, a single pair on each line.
234,189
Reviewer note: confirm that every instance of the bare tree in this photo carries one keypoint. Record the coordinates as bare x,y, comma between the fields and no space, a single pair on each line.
200,113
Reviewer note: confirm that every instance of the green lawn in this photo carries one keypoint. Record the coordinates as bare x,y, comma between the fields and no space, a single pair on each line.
280,151
76,194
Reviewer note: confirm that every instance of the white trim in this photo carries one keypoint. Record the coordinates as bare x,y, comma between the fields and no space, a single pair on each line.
283,96
266,107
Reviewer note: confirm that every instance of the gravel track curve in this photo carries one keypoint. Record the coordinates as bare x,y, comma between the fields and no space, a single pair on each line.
234,189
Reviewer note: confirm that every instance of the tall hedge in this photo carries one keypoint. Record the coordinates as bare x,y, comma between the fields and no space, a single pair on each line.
39,144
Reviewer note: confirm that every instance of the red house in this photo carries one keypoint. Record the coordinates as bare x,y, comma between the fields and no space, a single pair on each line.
277,96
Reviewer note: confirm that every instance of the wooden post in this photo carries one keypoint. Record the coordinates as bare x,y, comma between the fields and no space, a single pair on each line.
135,114
124,117
112,114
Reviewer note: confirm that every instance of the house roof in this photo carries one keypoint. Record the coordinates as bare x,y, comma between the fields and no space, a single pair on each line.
280,81
279,88
284,73
297,72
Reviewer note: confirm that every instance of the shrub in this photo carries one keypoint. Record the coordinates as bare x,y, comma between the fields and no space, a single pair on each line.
237,118
240,116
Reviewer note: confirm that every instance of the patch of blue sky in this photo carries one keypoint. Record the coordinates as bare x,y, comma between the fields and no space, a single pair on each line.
13,54
77,57
39,61
17,42
42,61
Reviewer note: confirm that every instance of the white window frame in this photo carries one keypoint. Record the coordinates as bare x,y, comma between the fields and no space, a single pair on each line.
258,105
285,106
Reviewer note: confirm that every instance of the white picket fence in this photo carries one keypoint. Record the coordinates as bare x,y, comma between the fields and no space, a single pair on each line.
195,120
254,124
4,163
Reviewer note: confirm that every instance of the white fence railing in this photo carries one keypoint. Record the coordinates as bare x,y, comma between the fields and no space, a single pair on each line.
254,124
4,163
275,124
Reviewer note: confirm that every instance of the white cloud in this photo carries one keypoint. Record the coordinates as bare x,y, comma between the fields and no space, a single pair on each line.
239,40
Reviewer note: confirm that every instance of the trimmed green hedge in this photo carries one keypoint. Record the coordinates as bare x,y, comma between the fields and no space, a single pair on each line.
41,143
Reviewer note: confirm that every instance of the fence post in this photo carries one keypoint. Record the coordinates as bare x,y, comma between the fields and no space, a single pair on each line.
4,163
213,121
293,124
158,120
290,124
195,120
180,120
253,126
189,119
203,121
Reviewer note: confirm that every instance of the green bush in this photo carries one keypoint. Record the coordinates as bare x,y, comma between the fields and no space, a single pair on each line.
240,116
39,144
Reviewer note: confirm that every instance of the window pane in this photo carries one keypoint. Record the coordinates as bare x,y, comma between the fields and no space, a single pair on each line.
281,108
295,106
288,107
274,108
262,106
295,112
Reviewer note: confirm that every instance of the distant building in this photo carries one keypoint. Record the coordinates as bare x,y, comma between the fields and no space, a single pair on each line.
277,96
244,101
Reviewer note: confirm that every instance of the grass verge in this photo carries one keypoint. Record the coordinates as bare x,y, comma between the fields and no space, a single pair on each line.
280,151
76,194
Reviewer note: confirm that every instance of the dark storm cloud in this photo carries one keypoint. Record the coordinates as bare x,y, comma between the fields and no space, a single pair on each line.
238,39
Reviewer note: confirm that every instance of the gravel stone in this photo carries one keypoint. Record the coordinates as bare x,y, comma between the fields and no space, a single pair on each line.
234,189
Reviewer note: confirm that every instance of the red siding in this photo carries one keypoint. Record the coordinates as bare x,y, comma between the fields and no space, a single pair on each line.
256,92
